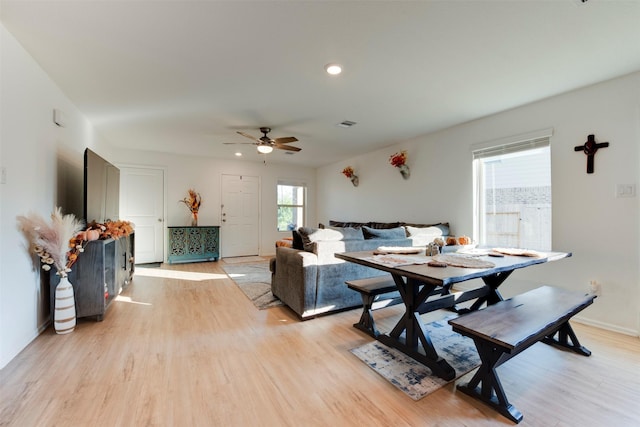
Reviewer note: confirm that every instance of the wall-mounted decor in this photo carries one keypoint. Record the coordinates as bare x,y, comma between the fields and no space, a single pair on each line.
349,173
399,160
193,202
590,148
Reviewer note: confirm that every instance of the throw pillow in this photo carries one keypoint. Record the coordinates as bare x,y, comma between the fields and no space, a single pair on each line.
383,225
385,234
297,240
349,233
310,235
431,231
343,224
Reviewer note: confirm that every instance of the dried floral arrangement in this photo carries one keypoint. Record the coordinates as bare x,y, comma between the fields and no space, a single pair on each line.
348,172
398,159
56,243
193,201
60,243
109,230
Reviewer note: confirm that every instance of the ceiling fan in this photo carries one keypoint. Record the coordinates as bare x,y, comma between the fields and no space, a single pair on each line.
266,145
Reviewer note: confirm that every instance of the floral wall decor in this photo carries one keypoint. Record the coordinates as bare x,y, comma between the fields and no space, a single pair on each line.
399,160
349,173
193,201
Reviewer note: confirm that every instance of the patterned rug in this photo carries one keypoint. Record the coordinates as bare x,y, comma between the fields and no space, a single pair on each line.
412,377
243,259
254,280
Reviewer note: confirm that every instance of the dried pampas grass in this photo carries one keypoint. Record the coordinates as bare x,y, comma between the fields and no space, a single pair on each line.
50,241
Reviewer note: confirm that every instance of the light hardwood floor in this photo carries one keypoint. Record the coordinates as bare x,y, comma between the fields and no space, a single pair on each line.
187,348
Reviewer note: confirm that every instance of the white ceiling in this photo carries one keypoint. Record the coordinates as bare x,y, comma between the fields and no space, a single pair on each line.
184,76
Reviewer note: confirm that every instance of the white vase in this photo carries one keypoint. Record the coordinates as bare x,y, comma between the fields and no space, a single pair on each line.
64,313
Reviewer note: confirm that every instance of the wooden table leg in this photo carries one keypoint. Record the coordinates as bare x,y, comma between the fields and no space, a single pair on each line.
485,384
416,342
564,334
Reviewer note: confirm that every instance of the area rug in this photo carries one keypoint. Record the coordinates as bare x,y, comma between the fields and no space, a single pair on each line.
243,259
254,280
412,377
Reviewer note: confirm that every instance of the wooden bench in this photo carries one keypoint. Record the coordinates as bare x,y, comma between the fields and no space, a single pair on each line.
376,292
503,330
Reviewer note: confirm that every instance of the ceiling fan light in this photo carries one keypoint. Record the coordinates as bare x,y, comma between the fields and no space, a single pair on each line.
265,149
333,69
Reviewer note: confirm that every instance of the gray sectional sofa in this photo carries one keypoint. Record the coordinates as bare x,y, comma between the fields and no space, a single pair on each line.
311,280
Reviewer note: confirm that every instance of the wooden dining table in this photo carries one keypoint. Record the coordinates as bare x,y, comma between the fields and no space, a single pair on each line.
424,288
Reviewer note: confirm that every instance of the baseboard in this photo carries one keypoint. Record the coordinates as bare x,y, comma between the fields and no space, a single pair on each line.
606,326
44,326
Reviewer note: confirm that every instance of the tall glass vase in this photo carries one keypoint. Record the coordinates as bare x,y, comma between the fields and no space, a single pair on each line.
194,219
64,314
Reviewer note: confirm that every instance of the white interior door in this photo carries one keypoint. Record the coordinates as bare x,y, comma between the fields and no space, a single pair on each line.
240,215
142,203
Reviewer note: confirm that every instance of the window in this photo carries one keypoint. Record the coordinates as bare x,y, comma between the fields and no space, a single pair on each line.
291,201
512,186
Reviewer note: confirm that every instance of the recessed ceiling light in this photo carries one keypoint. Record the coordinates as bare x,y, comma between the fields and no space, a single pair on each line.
333,69
238,154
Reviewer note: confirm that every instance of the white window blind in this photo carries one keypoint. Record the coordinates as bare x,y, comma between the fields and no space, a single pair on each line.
510,148
512,192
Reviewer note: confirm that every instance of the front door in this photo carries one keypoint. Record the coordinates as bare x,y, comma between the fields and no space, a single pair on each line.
240,215
142,203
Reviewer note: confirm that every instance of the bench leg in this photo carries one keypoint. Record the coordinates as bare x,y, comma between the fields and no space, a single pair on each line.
485,384
366,322
564,334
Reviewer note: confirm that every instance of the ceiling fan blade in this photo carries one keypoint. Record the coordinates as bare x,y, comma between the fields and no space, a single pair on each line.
285,140
238,143
287,147
248,136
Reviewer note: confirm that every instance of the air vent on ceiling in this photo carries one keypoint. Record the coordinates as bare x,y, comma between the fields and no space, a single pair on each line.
346,124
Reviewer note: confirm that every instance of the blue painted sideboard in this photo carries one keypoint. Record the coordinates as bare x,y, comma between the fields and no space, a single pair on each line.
193,244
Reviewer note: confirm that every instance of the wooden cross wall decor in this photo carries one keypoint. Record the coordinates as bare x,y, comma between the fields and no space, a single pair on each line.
590,147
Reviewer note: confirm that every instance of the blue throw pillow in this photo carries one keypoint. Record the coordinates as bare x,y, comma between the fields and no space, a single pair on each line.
349,233
385,234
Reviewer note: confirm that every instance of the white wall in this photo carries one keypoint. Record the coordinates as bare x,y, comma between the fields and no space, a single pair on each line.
204,175
602,232
43,164
44,169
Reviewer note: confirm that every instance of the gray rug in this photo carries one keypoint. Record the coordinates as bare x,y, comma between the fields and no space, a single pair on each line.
412,377
254,280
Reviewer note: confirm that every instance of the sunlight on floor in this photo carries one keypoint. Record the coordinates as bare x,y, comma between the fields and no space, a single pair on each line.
121,298
175,274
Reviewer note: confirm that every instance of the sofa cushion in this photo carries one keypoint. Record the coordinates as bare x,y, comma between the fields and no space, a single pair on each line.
383,225
384,234
346,224
297,240
349,233
444,226
310,235
420,231
422,236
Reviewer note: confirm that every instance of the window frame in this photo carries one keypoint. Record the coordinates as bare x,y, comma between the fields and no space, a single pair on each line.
302,206
521,143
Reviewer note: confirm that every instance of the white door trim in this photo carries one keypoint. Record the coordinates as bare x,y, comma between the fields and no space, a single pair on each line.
165,190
